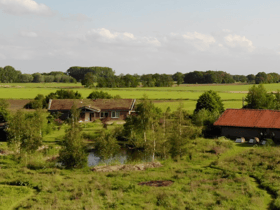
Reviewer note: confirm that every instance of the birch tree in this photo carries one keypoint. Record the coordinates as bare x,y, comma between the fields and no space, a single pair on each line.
73,154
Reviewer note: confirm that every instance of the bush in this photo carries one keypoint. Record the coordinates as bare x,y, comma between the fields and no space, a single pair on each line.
99,94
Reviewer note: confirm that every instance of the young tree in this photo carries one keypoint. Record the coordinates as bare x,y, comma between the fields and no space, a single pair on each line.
211,101
25,131
178,138
107,145
258,98
73,154
142,128
181,133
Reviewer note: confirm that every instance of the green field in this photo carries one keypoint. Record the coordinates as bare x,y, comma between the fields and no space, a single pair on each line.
169,96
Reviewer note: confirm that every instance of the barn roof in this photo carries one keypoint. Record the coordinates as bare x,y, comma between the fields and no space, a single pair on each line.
252,118
98,104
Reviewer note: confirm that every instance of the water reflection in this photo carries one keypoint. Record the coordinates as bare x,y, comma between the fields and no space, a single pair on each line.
125,155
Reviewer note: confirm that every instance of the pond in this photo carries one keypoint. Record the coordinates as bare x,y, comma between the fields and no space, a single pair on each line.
125,155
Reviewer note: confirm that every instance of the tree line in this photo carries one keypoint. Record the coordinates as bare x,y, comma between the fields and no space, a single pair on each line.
220,77
8,74
105,77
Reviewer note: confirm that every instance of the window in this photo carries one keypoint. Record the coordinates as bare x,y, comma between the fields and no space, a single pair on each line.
115,114
104,114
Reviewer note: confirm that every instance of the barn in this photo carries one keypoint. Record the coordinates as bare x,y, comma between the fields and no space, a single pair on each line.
250,123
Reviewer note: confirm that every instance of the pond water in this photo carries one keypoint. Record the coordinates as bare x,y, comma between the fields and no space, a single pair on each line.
125,155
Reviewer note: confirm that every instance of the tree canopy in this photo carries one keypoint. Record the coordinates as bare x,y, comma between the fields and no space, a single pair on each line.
99,94
211,101
258,98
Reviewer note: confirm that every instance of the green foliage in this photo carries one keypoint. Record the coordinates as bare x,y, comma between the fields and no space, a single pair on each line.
89,79
178,77
205,117
72,153
8,75
208,77
99,94
79,73
40,101
141,129
4,113
211,101
157,80
25,131
258,98
64,94
179,134
107,145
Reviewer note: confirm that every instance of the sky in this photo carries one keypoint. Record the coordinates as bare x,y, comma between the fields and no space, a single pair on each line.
141,37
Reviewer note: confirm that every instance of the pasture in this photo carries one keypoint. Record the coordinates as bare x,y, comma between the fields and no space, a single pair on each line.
231,94
163,96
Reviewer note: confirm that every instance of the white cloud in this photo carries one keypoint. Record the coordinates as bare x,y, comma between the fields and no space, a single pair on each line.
200,41
19,7
106,33
126,38
152,41
28,34
202,37
128,35
236,41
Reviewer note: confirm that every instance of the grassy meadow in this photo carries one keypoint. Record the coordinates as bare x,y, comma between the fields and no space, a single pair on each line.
165,96
215,174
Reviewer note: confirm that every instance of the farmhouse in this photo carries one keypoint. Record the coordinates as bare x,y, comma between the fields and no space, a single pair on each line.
250,123
113,109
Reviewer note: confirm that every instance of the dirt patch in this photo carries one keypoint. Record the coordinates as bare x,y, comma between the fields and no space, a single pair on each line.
127,167
157,183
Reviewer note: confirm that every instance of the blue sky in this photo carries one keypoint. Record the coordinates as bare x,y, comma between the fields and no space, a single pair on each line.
159,36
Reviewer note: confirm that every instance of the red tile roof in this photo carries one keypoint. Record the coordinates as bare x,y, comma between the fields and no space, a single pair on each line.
258,118
103,104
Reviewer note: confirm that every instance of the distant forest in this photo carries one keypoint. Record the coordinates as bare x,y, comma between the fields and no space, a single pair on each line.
8,74
105,77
